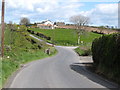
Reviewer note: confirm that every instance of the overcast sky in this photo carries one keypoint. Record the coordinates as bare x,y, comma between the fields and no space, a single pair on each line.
101,12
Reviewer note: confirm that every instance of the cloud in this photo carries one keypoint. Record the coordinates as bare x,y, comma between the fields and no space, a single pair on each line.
106,13
107,8
24,15
61,10
46,7
21,4
40,9
103,14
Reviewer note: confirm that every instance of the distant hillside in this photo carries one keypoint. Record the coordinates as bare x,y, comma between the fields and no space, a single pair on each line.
91,29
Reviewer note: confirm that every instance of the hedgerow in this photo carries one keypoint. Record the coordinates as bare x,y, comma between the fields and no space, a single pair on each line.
106,56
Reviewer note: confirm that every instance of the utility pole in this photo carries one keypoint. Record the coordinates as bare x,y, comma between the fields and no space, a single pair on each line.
2,27
119,15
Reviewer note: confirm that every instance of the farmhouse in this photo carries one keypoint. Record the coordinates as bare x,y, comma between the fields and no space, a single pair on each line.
46,25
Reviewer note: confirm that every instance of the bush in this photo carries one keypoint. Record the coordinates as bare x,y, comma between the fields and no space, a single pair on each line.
106,55
83,51
87,52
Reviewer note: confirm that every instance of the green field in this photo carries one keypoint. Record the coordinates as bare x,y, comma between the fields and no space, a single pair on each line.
60,36
67,37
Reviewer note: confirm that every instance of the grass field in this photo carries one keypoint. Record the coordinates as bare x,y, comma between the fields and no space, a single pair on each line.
67,37
60,36
19,50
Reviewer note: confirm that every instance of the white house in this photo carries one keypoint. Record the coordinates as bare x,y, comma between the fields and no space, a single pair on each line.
46,25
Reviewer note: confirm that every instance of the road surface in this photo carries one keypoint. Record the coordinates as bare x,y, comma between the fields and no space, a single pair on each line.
61,71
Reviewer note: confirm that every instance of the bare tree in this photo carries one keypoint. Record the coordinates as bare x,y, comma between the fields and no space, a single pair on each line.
79,21
24,21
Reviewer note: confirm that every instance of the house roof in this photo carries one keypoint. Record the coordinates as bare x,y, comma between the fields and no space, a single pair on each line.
44,21
44,25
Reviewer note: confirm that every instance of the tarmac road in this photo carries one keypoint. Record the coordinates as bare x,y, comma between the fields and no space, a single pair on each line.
61,71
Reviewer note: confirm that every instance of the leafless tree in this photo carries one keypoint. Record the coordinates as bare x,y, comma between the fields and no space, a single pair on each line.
24,21
79,21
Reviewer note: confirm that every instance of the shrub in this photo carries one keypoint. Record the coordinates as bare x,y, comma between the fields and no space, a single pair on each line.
87,52
83,51
106,55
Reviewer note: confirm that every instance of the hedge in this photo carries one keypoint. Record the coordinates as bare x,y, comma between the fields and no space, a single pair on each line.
39,34
106,56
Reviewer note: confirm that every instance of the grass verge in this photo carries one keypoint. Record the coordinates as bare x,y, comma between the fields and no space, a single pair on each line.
20,48
83,51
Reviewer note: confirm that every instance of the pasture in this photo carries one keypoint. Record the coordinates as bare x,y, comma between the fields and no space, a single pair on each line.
67,37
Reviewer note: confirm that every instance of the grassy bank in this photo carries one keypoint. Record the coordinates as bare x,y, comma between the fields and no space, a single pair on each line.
83,50
20,48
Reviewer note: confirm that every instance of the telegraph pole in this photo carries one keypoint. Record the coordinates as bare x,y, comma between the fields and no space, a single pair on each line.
2,27
119,15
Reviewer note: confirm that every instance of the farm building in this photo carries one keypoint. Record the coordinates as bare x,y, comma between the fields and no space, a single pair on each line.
59,23
46,25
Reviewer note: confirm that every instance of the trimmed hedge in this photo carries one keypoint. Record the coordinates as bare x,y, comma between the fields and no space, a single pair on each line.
106,56
39,34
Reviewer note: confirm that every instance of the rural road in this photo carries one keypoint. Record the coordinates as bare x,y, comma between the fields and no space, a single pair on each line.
61,71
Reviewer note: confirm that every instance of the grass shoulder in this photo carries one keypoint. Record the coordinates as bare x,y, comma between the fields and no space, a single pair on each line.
83,50
20,49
